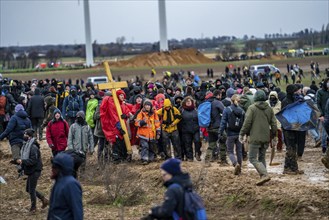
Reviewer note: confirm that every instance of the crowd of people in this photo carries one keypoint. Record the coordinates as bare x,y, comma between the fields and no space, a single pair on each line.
162,120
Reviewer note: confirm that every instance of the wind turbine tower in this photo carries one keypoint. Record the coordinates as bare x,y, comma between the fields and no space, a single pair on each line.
89,48
163,25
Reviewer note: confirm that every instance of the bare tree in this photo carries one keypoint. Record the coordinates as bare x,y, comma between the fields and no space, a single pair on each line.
268,47
251,46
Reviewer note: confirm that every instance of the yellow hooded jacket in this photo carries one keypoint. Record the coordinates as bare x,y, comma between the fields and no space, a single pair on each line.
174,114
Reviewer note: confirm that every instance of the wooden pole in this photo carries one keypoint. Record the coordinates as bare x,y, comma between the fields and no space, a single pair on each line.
117,105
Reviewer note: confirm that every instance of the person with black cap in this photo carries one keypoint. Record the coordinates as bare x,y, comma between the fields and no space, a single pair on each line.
260,124
31,165
174,197
291,137
66,194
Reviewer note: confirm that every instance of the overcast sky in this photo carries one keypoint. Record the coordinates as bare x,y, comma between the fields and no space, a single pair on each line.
40,22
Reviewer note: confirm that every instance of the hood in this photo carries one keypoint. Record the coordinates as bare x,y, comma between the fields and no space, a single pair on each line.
178,97
119,92
22,114
182,179
64,162
291,89
159,96
49,100
260,96
273,93
37,91
138,96
57,111
167,103
204,86
81,114
262,105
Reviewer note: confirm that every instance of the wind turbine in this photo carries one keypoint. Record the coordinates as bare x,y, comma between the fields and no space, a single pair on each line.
163,25
89,48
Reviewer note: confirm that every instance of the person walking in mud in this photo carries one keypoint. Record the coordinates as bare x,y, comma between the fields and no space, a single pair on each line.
291,137
260,123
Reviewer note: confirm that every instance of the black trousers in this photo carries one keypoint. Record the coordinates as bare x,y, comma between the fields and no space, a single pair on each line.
188,139
290,139
301,137
36,125
31,185
119,150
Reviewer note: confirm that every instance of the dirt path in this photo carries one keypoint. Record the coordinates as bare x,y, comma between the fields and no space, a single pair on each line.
226,196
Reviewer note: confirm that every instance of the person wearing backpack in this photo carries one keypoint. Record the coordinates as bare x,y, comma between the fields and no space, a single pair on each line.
72,105
179,197
217,108
232,121
260,123
17,124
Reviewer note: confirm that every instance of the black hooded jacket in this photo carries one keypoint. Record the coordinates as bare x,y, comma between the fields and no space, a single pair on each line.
174,197
35,108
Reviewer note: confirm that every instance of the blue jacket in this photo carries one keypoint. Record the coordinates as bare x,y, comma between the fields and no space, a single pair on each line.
226,114
71,106
66,195
17,124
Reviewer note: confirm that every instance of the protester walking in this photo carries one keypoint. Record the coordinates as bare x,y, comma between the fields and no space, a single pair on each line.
31,164
66,194
260,123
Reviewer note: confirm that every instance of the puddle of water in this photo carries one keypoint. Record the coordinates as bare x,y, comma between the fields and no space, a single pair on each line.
313,174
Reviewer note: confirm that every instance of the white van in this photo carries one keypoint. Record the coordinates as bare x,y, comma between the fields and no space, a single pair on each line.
256,69
98,79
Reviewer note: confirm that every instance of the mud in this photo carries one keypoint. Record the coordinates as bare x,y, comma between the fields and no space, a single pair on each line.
226,196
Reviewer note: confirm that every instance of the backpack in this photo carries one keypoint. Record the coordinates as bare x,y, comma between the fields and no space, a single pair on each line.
204,114
235,121
193,205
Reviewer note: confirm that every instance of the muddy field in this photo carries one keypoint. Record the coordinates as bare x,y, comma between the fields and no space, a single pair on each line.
127,191
131,73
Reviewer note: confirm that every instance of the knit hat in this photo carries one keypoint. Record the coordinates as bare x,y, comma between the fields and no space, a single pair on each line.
172,166
230,92
150,86
260,96
19,107
29,132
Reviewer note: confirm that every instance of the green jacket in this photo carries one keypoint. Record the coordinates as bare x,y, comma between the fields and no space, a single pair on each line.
321,98
258,123
91,108
246,100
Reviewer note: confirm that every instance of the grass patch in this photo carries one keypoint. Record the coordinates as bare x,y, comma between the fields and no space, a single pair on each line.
268,204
